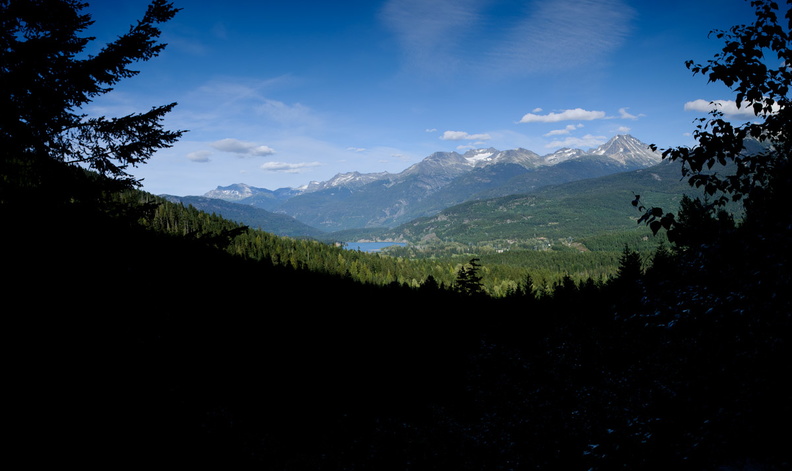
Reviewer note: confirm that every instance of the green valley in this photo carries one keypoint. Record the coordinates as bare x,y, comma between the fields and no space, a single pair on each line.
599,320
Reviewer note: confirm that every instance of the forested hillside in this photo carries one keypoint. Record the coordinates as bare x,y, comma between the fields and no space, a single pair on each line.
250,216
439,181
145,332
503,273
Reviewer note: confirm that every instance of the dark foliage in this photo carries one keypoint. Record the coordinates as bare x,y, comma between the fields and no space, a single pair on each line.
468,281
46,82
131,346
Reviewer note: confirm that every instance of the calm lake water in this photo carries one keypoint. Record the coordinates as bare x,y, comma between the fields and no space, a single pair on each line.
370,246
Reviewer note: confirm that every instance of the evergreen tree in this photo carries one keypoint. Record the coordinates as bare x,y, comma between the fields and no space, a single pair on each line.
45,137
468,280
630,267
56,158
528,289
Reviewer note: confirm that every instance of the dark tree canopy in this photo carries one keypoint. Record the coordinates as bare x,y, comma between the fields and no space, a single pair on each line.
46,79
468,279
755,64
133,345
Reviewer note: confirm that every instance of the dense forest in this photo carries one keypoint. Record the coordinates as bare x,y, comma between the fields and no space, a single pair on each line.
142,331
503,272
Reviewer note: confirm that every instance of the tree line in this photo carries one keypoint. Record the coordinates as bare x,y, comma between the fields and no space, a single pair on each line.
502,274
145,332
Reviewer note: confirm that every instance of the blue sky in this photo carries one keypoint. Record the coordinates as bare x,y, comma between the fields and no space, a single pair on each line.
280,93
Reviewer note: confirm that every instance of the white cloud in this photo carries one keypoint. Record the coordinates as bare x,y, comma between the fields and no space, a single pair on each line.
263,150
201,156
728,107
235,146
356,149
622,129
578,142
625,115
295,114
577,114
559,132
288,167
461,136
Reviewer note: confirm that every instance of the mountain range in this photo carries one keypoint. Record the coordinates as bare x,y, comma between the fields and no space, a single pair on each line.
384,200
580,210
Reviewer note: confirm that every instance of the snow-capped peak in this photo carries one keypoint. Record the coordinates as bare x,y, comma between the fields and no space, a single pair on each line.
627,149
234,192
444,166
477,156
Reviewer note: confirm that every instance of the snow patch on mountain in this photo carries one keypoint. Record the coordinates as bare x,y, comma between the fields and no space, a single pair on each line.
346,180
562,155
235,192
627,150
479,155
441,167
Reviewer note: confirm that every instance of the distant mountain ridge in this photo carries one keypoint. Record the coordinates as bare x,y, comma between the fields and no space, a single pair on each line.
443,179
248,215
579,209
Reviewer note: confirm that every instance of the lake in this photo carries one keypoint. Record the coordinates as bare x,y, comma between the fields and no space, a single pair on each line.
370,246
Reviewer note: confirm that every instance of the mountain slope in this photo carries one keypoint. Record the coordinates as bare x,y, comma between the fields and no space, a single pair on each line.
576,209
444,179
580,167
257,218
258,197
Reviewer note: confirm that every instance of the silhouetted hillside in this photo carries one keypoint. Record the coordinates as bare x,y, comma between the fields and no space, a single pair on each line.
146,347
142,333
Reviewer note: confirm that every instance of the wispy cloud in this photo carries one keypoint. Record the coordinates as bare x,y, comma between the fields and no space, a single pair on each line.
443,35
563,34
463,136
625,115
287,167
577,114
295,114
242,106
431,33
568,129
201,156
242,148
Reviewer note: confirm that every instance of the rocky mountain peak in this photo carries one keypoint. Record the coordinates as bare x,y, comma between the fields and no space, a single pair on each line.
562,155
628,150
236,191
348,180
448,163
480,156
440,168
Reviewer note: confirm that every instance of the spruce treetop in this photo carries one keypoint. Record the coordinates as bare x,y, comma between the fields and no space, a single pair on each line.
47,79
